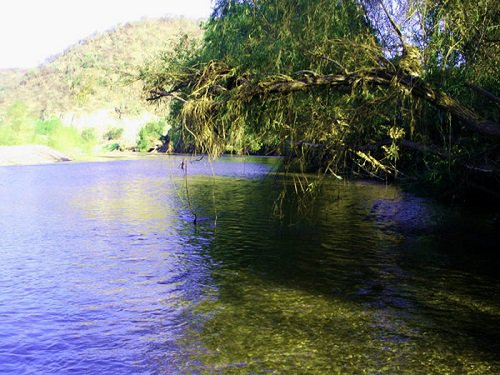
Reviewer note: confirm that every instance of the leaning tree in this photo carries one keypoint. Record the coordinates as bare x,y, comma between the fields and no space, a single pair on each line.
376,86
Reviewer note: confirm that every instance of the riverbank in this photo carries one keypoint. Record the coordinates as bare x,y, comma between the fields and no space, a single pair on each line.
40,154
30,154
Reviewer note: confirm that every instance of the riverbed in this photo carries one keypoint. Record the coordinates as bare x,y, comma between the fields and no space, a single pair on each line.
174,265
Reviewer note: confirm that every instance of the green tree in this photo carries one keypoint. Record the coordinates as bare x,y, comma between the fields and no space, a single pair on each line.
343,86
150,135
16,127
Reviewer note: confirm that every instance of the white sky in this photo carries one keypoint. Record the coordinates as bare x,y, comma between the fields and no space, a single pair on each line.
33,30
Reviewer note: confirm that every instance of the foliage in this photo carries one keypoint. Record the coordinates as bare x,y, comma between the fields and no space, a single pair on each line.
94,77
150,134
89,135
343,86
113,134
98,73
17,125
20,126
112,147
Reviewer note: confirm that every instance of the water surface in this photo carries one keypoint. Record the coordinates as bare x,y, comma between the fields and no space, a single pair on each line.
102,270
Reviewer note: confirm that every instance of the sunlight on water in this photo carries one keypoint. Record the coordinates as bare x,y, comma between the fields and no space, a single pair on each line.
103,270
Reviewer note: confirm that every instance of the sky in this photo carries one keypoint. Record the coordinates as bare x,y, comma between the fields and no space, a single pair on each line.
33,30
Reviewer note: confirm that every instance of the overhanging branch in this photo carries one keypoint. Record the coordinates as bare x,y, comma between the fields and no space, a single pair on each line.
305,81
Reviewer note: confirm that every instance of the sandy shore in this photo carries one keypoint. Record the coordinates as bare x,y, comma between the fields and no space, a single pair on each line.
30,154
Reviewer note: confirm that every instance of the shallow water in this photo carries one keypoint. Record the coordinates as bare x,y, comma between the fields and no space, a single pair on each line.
102,270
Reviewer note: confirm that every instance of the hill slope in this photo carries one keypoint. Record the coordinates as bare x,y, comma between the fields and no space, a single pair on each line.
94,72
91,84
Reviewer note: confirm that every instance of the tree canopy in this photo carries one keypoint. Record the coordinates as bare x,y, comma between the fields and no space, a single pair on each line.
359,86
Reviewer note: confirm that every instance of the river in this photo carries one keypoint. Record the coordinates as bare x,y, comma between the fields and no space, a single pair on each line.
103,271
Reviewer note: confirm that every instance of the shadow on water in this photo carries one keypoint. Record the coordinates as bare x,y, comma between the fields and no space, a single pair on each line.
102,268
371,282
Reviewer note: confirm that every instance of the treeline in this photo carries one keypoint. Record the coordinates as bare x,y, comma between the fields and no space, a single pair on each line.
359,87
20,126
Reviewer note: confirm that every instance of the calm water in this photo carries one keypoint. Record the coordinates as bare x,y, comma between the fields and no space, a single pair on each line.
102,271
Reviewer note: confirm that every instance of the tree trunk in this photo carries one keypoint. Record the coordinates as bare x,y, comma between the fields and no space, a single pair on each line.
307,80
379,78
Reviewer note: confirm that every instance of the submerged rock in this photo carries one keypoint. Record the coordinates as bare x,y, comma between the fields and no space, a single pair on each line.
30,154
406,213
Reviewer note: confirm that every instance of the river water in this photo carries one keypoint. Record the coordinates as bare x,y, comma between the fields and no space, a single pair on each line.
103,271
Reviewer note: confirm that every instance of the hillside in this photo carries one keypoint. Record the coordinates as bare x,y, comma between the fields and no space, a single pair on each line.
94,72
92,84
9,78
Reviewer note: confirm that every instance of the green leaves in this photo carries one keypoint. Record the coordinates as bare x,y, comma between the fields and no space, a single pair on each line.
325,83
150,134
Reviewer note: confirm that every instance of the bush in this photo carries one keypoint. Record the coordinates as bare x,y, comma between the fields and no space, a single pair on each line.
112,147
113,134
65,138
89,135
150,134
16,126
21,127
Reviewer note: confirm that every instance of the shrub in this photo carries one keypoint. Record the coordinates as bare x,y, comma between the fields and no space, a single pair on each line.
150,134
89,135
113,134
16,126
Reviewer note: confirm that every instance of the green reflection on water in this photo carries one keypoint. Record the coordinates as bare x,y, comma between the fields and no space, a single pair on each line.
259,327
347,293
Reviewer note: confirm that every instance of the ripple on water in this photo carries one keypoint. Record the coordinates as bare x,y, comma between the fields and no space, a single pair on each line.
103,270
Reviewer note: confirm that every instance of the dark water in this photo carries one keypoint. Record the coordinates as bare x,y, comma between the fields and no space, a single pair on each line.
102,271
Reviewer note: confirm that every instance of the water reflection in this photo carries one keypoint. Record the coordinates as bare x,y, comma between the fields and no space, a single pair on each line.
347,292
103,270
98,268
